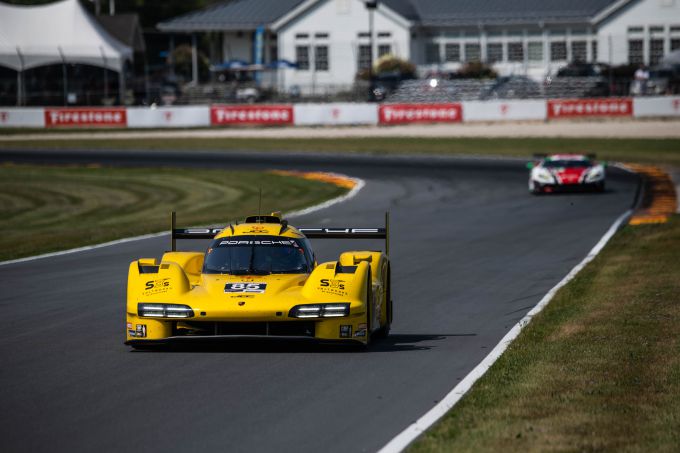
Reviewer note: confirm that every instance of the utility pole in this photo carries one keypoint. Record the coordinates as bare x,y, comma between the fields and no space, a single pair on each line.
371,6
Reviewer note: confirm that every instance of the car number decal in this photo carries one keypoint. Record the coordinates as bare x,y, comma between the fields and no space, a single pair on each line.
245,287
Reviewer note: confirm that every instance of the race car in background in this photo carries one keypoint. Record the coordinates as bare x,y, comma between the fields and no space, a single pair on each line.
562,172
260,278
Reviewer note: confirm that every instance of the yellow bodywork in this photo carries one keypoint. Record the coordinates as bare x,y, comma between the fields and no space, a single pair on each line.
360,278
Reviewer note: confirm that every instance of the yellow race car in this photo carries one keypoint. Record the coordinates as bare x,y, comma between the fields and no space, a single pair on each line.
260,278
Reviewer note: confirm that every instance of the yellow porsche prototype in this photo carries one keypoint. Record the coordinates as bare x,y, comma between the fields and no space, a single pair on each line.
260,278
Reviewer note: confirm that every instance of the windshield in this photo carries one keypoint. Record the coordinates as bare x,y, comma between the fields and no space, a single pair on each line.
566,163
257,255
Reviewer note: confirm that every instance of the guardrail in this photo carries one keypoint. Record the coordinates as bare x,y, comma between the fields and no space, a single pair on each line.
333,114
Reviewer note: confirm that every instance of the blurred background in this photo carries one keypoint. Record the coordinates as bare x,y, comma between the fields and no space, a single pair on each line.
153,52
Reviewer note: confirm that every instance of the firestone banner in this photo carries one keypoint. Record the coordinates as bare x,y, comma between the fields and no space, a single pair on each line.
570,108
251,114
90,117
420,113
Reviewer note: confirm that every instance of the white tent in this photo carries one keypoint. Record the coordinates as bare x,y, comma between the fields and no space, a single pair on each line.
60,32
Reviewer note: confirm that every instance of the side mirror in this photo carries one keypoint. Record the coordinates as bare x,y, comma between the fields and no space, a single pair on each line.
530,165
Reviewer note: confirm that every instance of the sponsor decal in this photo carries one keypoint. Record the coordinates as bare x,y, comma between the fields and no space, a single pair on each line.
420,113
332,286
360,333
70,117
345,331
129,325
157,286
251,114
339,230
266,242
257,229
245,287
202,231
4,117
569,108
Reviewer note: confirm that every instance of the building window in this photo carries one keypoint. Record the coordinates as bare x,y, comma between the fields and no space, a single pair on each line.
593,45
558,51
675,44
302,36
635,29
535,51
321,58
655,51
384,49
321,35
302,57
273,53
515,51
432,53
452,52
494,52
364,56
635,54
384,34
579,51
473,52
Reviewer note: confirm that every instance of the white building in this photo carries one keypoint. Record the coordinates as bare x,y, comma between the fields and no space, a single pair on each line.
329,39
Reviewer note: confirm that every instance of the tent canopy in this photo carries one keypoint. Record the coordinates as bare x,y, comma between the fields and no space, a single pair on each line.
32,36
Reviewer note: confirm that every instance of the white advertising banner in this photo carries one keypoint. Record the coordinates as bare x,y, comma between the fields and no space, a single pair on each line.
338,113
22,117
530,109
189,116
656,106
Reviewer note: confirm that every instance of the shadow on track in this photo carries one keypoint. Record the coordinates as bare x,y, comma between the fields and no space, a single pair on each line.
393,343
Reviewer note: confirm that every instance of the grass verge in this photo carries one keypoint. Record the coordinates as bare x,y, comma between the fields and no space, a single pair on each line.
45,209
659,151
597,370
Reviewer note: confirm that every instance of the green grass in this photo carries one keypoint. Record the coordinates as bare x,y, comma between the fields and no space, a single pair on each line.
45,209
659,151
597,370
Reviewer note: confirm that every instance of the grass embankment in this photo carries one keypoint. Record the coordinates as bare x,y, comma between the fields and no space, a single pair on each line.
597,370
658,151
44,209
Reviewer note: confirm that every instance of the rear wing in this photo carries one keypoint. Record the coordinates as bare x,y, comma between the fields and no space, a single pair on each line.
310,233
351,233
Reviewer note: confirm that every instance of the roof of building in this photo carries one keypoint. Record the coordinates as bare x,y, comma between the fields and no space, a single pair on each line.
232,15
249,14
486,12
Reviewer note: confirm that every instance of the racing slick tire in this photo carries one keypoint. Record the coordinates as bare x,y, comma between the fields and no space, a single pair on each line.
385,327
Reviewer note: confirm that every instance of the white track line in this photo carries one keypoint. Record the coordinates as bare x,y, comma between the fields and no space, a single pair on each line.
359,184
404,438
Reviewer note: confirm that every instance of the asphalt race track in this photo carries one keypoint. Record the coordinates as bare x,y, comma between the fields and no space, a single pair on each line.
472,252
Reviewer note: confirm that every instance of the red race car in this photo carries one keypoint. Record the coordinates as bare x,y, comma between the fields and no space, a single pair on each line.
561,172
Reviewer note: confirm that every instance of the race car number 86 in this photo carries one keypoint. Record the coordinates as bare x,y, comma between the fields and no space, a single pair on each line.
245,287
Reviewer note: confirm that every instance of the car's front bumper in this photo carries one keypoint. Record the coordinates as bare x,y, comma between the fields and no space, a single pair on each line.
343,329
578,187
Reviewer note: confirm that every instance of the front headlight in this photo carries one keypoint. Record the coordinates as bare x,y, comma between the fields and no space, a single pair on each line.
543,175
595,174
319,311
164,311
